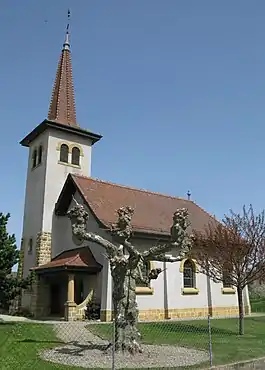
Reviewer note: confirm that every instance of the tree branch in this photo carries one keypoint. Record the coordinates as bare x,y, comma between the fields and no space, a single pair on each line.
79,217
165,258
180,241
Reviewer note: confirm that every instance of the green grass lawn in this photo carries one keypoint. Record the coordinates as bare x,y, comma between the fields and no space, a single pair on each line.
20,343
227,345
257,304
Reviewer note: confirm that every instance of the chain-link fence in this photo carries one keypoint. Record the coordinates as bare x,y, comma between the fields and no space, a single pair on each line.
185,343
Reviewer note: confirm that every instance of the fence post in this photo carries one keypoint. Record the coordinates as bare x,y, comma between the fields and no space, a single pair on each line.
113,344
210,341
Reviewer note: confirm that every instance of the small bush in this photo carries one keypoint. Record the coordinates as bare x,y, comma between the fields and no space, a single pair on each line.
92,311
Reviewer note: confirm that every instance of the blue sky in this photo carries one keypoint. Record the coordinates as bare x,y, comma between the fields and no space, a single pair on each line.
176,88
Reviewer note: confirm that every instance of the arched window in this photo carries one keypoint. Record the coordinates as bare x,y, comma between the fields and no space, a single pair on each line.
30,246
40,154
189,275
34,158
64,151
227,280
76,156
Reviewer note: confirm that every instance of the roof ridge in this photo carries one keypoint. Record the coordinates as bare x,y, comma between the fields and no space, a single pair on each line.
132,188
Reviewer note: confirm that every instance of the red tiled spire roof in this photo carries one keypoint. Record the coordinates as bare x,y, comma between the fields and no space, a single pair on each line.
62,105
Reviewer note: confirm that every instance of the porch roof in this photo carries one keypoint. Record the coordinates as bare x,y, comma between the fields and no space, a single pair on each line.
78,258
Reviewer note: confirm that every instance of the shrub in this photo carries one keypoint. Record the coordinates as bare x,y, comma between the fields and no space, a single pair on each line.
92,311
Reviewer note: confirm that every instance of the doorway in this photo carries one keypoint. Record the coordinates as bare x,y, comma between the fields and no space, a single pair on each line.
55,299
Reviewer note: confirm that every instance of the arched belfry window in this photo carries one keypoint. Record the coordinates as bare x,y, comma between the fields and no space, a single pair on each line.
34,158
64,152
40,154
76,156
189,274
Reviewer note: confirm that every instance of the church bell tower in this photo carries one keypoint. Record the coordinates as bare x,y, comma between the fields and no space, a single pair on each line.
57,147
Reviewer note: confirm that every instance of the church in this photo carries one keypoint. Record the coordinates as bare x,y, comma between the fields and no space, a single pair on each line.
69,276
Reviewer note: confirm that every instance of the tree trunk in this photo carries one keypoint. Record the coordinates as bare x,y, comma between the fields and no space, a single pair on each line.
125,313
241,310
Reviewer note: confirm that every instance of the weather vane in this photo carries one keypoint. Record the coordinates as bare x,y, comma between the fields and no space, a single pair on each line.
68,18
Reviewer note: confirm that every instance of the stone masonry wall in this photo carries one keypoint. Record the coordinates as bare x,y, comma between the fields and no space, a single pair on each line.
38,290
43,248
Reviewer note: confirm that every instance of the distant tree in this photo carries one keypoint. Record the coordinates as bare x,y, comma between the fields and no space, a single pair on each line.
233,252
10,284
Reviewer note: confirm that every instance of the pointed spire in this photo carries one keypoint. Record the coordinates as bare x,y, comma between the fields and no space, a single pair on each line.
66,45
62,105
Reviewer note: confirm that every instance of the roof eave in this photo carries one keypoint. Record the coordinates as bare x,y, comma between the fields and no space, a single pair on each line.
41,270
61,127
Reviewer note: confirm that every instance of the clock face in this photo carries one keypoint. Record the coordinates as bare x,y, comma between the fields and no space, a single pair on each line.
76,240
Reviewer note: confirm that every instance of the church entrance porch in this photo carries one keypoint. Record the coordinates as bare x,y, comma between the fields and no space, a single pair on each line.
63,294
66,285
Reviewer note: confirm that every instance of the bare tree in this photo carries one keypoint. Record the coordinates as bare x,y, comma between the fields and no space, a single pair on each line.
233,252
125,263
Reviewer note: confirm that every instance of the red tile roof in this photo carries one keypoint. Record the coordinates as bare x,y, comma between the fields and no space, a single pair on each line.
153,211
62,105
74,258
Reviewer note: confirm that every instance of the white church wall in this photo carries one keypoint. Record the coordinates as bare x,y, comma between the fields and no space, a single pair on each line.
57,172
62,233
176,298
220,299
34,201
168,288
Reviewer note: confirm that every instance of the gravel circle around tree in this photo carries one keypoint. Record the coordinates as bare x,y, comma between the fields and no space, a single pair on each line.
84,349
